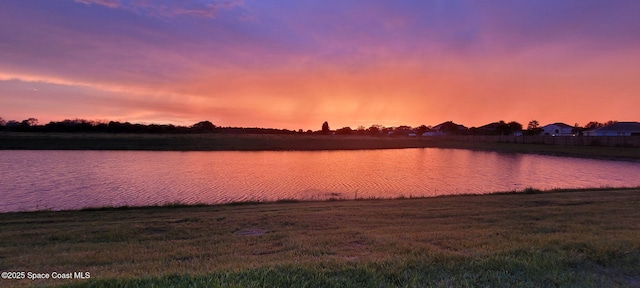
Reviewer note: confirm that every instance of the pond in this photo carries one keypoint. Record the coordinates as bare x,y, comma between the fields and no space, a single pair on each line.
61,180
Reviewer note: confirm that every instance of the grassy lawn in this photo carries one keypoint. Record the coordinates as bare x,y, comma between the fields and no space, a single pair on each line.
567,239
233,142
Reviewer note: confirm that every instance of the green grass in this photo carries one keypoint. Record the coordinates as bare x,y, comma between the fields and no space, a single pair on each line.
598,152
541,239
232,142
197,142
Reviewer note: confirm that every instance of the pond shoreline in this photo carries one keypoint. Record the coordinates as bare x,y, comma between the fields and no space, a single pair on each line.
178,205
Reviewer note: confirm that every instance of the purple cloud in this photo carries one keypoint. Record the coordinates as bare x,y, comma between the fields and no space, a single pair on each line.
106,3
169,8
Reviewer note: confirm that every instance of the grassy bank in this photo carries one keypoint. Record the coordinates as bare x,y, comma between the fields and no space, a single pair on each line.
579,239
231,142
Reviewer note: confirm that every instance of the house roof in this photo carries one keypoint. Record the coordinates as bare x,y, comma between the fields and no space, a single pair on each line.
559,124
490,126
458,126
620,126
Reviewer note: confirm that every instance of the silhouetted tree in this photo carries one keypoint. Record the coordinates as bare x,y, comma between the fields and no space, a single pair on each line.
503,128
386,130
29,122
533,128
12,125
576,130
593,125
125,127
450,128
510,128
344,131
514,127
375,129
2,122
67,125
203,126
402,130
325,127
421,129
26,125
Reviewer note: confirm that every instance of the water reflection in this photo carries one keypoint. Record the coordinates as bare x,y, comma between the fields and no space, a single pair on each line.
33,180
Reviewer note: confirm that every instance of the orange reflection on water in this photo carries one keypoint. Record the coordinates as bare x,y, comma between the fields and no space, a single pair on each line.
78,179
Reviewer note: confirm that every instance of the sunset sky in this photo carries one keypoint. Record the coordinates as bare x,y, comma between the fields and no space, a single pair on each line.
295,64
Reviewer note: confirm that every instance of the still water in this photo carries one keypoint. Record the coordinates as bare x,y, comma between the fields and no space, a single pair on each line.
57,180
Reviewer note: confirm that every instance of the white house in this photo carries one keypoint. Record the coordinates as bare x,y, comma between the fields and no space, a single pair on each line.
616,129
557,129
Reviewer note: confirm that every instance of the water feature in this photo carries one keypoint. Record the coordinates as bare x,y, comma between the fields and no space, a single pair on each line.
57,180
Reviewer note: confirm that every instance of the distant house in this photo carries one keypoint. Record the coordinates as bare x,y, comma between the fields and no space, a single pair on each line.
616,129
557,129
489,129
499,128
430,133
449,128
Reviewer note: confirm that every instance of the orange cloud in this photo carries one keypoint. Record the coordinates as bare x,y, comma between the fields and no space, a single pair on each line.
468,90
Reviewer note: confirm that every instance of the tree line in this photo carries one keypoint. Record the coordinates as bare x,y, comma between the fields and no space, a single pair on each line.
451,128
88,126
446,128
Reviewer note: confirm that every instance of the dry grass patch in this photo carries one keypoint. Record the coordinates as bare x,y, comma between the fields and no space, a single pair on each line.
583,239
